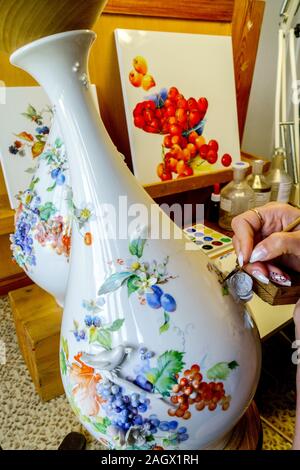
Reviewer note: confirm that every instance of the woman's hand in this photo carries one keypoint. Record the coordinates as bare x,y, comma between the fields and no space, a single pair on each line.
259,244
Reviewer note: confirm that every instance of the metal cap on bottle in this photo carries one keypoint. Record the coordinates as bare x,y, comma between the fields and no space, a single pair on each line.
239,170
280,151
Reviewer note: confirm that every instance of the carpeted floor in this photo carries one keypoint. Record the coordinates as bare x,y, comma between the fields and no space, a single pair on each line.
28,423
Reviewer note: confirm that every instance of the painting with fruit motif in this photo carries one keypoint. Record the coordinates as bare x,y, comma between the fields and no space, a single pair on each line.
180,103
25,122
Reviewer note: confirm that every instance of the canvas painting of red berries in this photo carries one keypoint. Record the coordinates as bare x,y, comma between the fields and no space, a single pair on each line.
180,103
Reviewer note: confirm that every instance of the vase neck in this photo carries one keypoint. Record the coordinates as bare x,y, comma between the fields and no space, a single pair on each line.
57,62
60,64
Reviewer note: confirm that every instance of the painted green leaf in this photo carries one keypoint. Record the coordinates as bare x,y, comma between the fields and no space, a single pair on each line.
163,375
58,143
30,170
113,282
166,442
101,336
31,110
93,334
63,363
166,325
47,210
65,347
221,370
102,424
116,325
52,187
136,247
34,181
225,290
131,284
150,438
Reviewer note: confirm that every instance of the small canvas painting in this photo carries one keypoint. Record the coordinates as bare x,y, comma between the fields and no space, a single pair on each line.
180,103
25,122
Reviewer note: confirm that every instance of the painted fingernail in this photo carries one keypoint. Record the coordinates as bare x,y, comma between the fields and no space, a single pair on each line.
241,260
258,254
280,279
260,277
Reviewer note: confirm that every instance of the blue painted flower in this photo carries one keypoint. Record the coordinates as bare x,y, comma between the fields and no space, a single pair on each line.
82,334
58,176
42,130
13,150
97,322
88,320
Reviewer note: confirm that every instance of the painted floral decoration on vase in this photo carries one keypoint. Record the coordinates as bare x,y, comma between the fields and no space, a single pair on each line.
43,218
119,407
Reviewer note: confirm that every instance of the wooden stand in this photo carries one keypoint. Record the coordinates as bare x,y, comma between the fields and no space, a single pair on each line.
37,320
247,434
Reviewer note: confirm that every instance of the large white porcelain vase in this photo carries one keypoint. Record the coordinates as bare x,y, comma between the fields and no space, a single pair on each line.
154,352
42,237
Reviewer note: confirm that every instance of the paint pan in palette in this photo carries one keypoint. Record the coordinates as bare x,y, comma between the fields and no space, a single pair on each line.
208,240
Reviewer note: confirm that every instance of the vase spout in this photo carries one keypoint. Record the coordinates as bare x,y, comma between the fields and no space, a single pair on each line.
65,53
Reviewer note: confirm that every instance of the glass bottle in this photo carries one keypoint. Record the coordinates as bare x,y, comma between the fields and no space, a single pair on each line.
236,197
279,180
259,184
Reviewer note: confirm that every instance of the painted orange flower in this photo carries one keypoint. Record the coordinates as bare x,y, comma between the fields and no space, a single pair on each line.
85,382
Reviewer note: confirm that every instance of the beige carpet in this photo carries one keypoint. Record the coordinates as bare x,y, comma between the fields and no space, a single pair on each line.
28,423
25,421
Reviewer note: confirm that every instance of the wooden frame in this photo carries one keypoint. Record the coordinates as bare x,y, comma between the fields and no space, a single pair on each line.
216,10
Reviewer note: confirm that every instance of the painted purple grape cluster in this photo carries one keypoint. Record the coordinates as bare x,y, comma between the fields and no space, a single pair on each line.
123,410
126,410
158,299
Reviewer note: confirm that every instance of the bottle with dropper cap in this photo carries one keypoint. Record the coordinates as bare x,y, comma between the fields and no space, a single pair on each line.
237,197
259,184
279,180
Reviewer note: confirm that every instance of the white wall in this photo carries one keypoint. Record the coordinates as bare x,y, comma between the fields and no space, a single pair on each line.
259,129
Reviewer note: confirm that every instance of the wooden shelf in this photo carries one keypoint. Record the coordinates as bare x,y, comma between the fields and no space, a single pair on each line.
190,183
218,10
6,216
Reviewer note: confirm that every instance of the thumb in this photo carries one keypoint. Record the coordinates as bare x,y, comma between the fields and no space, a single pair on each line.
277,244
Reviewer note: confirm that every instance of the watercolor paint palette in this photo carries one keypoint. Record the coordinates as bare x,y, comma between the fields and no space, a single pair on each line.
208,240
